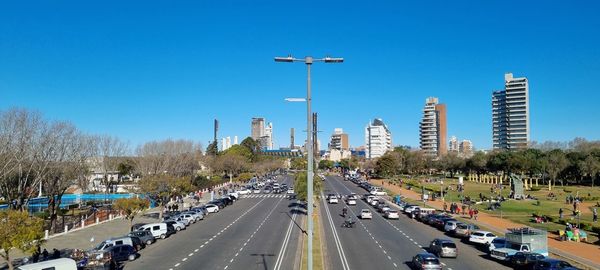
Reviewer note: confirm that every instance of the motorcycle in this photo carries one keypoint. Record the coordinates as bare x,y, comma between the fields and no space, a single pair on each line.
348,224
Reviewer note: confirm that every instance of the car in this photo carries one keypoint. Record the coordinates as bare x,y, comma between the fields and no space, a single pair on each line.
525,260
333,199
144,236
290,191
392,214
61,263
481,237
244,191
383,208
426,261
498,242
366,214
374,202
120,253
465,229
351,202
195,214
125,240
553,264
211,208
176,224
256,191
178,218
443,248
410,208
450,225
441,222
189,217
267,190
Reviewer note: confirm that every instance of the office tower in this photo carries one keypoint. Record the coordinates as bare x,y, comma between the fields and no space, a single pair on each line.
453,145
378,139
235,140
258,128
433,128
215,129
339,140
292,146
269,136
466,148
510,114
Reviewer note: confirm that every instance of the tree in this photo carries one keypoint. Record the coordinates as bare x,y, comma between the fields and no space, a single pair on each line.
231,164
301,186
477,162
386,166
298,164
212,149
326,164
173,157
251,145
161,188
109,151
131,207
555,162
125,167
591,167
19,230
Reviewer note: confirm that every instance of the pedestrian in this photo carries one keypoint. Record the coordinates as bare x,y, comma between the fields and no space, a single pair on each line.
55,254
471,213
560,213
36,255
464,207
595,215
445,206
45,254
475,213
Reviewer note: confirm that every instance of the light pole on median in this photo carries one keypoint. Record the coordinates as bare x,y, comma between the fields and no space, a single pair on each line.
308,60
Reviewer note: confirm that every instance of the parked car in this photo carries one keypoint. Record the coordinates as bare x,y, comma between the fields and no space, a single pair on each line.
481,237
443,248
212,208
450,225
426,261
144,236
185,221
525,260
158,230
62,264
256,191
392,214
464,229
408,209
553,264
189,217
498,242
197,216
125,240
244,191
122,253
366,214
178,226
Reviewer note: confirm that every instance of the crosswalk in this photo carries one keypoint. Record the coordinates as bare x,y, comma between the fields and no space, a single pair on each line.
265,196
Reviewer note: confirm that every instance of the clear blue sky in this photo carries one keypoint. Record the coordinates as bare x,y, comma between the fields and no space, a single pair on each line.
145,70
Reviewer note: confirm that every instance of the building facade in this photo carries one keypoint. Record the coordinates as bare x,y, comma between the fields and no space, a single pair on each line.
453,145
466,148
257,128
432,128
510,114
339,140
262,133
378,139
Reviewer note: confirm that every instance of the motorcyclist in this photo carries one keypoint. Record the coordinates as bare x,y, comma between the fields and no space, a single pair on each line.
344,211
349,222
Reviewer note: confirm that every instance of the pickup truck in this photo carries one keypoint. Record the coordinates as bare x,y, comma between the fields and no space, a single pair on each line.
522,240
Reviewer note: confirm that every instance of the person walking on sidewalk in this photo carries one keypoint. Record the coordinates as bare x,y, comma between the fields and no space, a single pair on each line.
560,213
595,215
445,207
470,213
475,213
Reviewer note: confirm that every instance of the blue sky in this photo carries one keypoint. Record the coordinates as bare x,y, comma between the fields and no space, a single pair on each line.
146,70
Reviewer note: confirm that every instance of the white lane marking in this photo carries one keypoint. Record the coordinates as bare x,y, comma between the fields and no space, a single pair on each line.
336,238
395,265
184,259
191,254
201,246
177,264
286,239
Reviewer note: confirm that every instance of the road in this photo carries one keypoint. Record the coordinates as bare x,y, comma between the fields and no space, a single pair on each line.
384,244
259,231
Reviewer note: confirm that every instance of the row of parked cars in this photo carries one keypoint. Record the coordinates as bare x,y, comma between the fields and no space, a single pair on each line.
516,249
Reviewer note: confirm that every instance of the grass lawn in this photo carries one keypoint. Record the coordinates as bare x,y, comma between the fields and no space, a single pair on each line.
521,211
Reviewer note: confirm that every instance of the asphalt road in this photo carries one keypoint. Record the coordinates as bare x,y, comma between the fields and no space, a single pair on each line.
259,231
384,244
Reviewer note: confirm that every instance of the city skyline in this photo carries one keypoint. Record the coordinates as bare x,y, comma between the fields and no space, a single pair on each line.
144,77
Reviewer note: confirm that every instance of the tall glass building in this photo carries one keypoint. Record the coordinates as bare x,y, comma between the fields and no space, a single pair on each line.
510,114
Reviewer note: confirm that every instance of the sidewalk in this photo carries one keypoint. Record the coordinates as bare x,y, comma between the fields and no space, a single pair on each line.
583,253
92,236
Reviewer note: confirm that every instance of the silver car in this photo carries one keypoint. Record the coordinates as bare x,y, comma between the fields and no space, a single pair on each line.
443,248
426,261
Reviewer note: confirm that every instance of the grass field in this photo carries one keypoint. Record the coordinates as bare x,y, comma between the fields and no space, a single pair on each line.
522,211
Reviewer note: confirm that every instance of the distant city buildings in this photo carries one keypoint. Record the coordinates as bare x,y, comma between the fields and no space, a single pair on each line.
510,114
339,140
463,148
378,139
226,142
262,133
433,128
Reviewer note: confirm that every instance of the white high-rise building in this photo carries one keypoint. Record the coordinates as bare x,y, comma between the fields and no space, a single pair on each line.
510,114
262,133
378,139
453,144
432,128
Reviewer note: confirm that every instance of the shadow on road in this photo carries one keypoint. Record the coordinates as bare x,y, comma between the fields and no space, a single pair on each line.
264,261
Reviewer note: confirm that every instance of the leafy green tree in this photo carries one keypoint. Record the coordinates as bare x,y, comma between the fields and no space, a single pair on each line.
160,188
212,149
238,150
326,164
387,166
125,167
251,144
298,164
301,186
130,207
452,163
554,163
19,230
591,167
477,162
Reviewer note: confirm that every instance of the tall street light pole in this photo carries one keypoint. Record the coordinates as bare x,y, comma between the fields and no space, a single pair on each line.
308,60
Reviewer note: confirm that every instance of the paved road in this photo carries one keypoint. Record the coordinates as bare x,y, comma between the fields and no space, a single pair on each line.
384,244
256,232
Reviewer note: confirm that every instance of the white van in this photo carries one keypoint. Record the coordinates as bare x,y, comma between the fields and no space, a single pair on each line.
426,211
57,264
126,240
158,230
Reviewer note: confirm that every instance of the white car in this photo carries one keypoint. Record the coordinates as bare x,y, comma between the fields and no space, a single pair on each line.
351,202
333,199
378,192
256,191
450,225
290,191
243,191
392,214
482,237
366,214
410,209
211,208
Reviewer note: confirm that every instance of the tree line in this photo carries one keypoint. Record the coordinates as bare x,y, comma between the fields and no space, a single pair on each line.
579,163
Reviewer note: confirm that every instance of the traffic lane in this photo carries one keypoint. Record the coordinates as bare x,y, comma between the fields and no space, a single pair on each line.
202,239
272,242
469,257
364,249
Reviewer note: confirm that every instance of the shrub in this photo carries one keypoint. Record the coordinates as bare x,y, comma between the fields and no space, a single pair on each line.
585,226
596,229
43,215
535,188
